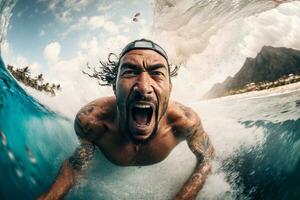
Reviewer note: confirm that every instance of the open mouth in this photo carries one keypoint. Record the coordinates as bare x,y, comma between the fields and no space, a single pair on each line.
142,121
142,114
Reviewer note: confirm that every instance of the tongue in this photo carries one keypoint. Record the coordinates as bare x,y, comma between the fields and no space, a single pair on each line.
141,116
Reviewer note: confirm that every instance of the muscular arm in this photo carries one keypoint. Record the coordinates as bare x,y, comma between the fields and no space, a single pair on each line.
73,167
70,170
199,143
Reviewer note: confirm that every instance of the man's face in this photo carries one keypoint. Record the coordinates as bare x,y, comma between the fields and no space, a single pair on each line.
142,90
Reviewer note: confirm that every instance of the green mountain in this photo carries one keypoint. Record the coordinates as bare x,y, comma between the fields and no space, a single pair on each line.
269,65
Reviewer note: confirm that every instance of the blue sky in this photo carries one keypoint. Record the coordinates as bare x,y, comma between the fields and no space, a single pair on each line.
71,26
59,37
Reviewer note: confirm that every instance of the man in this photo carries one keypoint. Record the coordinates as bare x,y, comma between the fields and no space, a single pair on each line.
139,125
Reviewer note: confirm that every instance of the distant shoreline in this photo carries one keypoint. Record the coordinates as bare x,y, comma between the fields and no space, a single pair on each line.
271,91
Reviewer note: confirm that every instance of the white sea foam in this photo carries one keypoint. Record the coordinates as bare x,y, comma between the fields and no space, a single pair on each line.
6,7
212,41
213,38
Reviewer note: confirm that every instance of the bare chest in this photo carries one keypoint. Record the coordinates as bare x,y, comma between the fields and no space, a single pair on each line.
128,154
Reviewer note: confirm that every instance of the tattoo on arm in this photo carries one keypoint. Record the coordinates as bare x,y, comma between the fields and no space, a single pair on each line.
83,128
199,142
85,152
80,129
187,111
82,156
200,145
87,109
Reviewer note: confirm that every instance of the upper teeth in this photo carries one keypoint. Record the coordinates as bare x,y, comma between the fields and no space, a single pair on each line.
142,106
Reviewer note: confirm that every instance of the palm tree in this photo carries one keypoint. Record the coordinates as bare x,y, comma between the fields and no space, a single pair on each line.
34,83
52,87
10,68
40,78
26,71
27,80
23,75
46,87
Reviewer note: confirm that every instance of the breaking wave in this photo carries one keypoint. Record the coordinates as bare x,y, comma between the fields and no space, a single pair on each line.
257,149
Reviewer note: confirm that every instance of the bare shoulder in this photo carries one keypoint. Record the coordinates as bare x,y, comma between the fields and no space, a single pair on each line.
183,119
178,112
90,120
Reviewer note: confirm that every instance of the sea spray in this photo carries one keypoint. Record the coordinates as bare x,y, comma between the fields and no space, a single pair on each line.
6,7
256,140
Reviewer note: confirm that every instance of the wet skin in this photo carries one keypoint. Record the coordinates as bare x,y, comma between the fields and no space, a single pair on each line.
138,126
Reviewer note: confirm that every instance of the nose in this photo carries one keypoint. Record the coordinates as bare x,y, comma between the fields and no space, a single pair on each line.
143,85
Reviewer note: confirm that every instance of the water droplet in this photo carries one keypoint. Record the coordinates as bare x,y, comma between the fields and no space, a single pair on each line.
252,173
3,138
11,155
32,158
19,173
33,180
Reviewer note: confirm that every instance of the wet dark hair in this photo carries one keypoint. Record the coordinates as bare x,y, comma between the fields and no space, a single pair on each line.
106,72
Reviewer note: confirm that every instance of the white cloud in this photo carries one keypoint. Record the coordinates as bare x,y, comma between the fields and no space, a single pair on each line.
64,9
93,23
66,16
79,89
104,38
35,68
218,48
94,48
111,27
96,22
82,22
53,4
89,44
42,33
101,21
91,47
21,61
52,51
76,4
126,19
145,32
104,7
17,60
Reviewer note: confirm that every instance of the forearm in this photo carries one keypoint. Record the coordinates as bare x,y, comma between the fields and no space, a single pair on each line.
195,182
70,170
204,152
63,183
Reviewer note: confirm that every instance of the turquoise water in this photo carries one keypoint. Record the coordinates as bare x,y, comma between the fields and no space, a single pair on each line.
258,151
256,139
269,168
32,137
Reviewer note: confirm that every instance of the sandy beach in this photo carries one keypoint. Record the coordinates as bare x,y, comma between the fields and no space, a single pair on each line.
272,91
